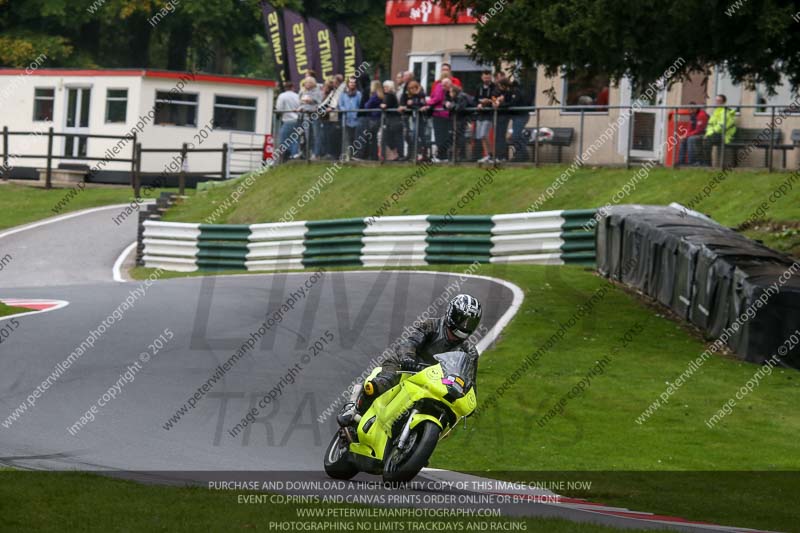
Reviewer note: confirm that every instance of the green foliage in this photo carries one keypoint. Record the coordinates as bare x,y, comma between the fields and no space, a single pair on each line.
212,35
642,38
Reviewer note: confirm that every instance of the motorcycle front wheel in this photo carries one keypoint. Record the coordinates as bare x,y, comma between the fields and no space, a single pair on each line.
402,465
337,460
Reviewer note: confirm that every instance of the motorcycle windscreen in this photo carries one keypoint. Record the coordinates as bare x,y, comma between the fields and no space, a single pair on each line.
457,364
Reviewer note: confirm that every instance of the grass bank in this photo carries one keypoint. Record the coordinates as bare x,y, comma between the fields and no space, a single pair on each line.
363,191
21,204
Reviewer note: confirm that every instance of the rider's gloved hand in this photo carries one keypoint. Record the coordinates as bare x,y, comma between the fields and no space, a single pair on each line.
411,365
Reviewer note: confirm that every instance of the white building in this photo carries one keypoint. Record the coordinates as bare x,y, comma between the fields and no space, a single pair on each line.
165,109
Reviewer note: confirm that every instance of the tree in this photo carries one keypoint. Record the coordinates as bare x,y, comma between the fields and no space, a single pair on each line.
755,39
221,36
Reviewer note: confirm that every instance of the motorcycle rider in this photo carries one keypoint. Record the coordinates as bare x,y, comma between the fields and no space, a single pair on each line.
447,333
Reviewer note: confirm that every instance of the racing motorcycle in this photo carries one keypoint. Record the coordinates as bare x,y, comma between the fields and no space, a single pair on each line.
398,433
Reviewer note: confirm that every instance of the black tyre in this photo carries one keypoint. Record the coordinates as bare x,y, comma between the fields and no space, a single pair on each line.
337,460
400,466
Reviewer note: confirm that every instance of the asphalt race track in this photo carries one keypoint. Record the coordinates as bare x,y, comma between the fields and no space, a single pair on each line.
210,319
199,323
74,248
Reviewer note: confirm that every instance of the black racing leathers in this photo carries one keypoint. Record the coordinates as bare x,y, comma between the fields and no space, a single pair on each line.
425,341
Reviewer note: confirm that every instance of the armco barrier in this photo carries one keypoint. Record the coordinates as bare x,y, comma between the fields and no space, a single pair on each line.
552,237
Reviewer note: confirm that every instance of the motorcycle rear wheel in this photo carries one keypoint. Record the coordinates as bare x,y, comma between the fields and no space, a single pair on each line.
401,466
337,460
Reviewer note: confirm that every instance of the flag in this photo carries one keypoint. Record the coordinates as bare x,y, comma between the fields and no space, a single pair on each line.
326,49
298,46
272,21
350,50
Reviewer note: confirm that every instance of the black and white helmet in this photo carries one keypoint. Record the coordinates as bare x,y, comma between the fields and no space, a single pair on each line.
463,315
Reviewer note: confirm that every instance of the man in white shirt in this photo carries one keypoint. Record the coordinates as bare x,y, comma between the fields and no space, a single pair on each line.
286,106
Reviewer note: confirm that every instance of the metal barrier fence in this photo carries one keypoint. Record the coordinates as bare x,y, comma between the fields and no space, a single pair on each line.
746,135
548,237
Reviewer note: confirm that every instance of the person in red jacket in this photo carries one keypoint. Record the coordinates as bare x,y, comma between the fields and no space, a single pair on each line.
692,142
447,72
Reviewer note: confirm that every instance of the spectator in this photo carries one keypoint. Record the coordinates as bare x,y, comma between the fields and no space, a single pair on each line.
326,125
332,125
447,72
374,118
499,76
349,103
692,141
402,94
483,97
602,99
457,103
310,99
441,119
722,117
415,102
287,105
519,119
502,103
393,124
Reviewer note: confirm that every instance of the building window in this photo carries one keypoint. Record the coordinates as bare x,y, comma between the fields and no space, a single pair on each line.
176,109
782,99
582,89
467,71
43,100
116,105
234,113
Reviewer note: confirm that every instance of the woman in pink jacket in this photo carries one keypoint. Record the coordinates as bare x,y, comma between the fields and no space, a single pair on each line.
442,127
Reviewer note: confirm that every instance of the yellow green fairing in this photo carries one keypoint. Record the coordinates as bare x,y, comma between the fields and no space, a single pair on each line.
399,400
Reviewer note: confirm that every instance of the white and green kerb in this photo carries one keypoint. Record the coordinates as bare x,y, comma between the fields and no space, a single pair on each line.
552,237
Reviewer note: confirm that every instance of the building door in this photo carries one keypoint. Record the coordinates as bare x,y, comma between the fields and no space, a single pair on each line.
426,70
646,125
77,121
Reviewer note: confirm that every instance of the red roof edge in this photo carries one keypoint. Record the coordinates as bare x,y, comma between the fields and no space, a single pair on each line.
140,73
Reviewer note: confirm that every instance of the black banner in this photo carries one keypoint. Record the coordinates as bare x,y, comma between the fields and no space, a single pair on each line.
273,23
298,46
326,49
350,50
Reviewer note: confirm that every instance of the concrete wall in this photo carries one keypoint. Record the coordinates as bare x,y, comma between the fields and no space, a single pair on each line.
401,47
440,39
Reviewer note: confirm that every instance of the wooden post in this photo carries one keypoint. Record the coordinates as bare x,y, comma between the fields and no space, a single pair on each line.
49,176
182,175
224,161
5,152
133,167
137,169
